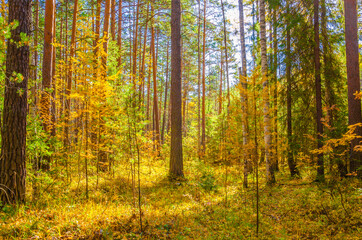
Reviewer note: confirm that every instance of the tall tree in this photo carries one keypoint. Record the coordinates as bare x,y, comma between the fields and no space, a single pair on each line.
203,117
48,68
12,161
69,77
354,105
119,39
244,96
226,53
291,162
176,159
154,78
318,91
264,71
113,19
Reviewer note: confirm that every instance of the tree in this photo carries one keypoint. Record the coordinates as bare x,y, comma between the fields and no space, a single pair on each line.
48,57
244,96
203,112
12,162
176,160
318,91
69,77
354,105
291,162
264,71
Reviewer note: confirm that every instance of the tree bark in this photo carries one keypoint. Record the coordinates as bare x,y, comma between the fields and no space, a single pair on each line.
291,162
176,159
155,94
13,150
353,78
45,101
166,97
119,39
264,70
318,92
113,19
244,95
203,118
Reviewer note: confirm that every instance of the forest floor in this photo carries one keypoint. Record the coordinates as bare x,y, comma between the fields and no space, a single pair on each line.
204,206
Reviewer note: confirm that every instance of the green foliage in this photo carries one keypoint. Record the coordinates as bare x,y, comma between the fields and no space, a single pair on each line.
208,182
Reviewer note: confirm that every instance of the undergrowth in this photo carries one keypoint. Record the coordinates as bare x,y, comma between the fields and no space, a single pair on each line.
196,208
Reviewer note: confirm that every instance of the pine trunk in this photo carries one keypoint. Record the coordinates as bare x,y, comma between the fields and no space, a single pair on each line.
13,156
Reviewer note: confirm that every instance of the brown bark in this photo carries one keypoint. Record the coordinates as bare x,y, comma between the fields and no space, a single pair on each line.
155,95
119,39
113,19
166,97
291,162
176,159
275,92
203,118
198,80
318,92
353,78
13,155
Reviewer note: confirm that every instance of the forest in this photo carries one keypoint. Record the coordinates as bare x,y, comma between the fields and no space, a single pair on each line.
180,119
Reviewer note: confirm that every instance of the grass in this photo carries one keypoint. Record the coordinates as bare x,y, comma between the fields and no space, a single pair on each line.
191,209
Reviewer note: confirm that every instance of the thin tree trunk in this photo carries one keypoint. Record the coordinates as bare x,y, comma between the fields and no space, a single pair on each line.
220,84
155,94
244,95
166,96
113,19
198,81
264,70
69,77
119,39
203,118
291,162
318,89
275,93
226,54
45,101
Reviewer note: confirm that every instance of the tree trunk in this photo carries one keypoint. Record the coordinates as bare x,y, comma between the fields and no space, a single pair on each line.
244,95
203,118
69,78
166,97
264,70
119,40
13,156
226,54
318,89
176,159
45,101
113,20
291,162
354,105
155,94
275,93
103,156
